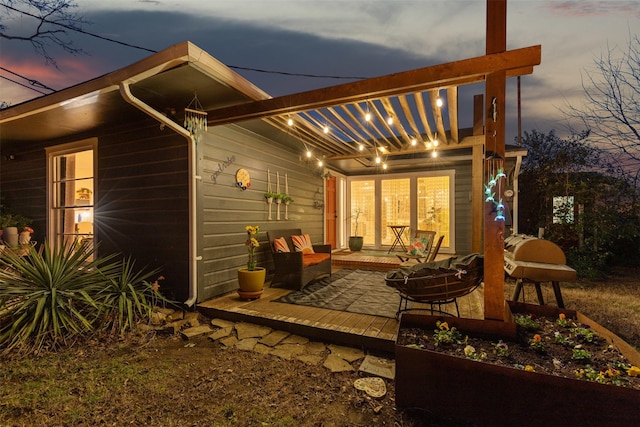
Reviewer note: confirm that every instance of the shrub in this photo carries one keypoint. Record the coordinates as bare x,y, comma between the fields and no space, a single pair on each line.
46,297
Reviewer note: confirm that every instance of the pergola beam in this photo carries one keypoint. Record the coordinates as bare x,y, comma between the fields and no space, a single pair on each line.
467,71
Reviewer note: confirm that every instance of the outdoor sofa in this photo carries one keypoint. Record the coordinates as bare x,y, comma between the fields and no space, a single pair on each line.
295,269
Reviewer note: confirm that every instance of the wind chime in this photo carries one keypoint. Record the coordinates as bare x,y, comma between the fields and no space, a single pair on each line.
195,118
494,170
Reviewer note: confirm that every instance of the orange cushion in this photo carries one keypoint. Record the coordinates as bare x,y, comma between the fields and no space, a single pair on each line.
280,245
314,259
302,244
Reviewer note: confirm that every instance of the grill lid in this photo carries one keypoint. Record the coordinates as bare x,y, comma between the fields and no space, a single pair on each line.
521,247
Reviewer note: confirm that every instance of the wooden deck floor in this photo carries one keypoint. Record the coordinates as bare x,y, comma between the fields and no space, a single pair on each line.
357,330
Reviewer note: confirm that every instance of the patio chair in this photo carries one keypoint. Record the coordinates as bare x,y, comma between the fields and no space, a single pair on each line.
419,247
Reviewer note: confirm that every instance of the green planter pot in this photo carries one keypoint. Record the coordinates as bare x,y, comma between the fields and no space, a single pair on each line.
251,283
355,243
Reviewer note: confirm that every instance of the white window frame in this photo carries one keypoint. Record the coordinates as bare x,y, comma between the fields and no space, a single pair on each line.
60,150
451,173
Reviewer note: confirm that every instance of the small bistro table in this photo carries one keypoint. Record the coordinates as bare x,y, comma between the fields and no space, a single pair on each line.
398,230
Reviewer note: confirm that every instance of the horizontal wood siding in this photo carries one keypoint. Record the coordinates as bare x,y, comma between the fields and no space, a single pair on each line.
463,208
143,202
142,196
225,209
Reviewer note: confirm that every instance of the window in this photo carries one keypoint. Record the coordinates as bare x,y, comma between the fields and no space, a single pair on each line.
419,201
395,207
71,193
363,207
434,212
563,210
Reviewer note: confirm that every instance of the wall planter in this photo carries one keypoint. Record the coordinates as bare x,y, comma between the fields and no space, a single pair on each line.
251,282
465,390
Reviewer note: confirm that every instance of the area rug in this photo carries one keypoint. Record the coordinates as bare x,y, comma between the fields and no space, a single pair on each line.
354,291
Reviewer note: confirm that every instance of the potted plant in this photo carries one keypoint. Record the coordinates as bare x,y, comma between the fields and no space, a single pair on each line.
269,196
287,200
279,197
251,278
356,241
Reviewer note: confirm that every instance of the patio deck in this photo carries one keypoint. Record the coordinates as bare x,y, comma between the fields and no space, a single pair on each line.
373,333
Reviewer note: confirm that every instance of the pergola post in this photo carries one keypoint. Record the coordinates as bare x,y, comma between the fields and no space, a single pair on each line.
495,143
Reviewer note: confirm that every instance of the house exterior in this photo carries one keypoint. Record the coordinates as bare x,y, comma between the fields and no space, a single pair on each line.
110,162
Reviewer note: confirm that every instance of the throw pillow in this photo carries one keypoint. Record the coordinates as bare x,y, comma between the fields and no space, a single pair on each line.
302,244
418,247
280,245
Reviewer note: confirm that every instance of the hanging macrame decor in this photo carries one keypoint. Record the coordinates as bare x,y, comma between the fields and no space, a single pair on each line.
195,118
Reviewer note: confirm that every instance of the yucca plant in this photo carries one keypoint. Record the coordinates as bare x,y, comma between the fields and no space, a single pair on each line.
128,296
47,297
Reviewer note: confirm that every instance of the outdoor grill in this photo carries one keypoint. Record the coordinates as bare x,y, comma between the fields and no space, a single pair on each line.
528,258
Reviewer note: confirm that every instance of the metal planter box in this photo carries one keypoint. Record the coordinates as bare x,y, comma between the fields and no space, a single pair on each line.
490,395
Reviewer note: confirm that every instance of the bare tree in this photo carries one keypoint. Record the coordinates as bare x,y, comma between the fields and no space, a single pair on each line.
611,112
45,24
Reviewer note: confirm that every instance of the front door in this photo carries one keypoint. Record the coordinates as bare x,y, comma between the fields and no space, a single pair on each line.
330,211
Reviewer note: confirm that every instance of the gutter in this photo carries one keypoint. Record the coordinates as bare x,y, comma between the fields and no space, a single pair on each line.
193,249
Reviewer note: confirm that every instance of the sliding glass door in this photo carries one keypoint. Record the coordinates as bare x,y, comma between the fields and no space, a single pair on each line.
418,201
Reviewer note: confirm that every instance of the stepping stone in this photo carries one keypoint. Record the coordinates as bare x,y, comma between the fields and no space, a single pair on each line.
373,386
195,331
247,344
337,364
221,333
310,359
378,366
229,341
293,349
295,339
262,349
315,348
347,353
221,323
249,330
274,338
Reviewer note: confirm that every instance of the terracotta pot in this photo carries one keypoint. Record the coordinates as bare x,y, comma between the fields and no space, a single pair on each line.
251,282
490,395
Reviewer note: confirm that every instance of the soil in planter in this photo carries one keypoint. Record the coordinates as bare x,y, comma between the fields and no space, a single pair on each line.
560,347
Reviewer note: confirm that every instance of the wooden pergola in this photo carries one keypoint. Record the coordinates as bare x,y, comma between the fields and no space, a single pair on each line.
403,95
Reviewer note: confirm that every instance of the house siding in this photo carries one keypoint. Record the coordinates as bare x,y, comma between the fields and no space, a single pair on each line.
225,209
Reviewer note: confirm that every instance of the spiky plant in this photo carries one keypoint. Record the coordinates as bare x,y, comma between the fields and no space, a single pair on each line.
47,296
128,296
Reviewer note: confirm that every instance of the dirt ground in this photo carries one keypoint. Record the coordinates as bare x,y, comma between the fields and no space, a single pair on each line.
167,381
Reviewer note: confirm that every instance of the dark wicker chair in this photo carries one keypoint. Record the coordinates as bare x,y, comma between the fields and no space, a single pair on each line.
295,269
437,283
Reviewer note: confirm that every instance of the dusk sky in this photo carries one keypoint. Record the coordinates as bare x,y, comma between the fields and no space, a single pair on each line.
349,38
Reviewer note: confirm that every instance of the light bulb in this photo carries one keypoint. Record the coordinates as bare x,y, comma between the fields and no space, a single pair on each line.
434,154
435,142
384,166
320,163
361,147
439,102
367,117
326,129
390,120
382,149
413,142
378,160
290,121
428,145
308,154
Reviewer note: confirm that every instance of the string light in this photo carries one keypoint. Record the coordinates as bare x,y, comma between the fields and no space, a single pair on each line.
378,159
290,121
384,166
308,154
367,117
439,100
390,120
413,142
361,147
434,153
326,129
320,164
